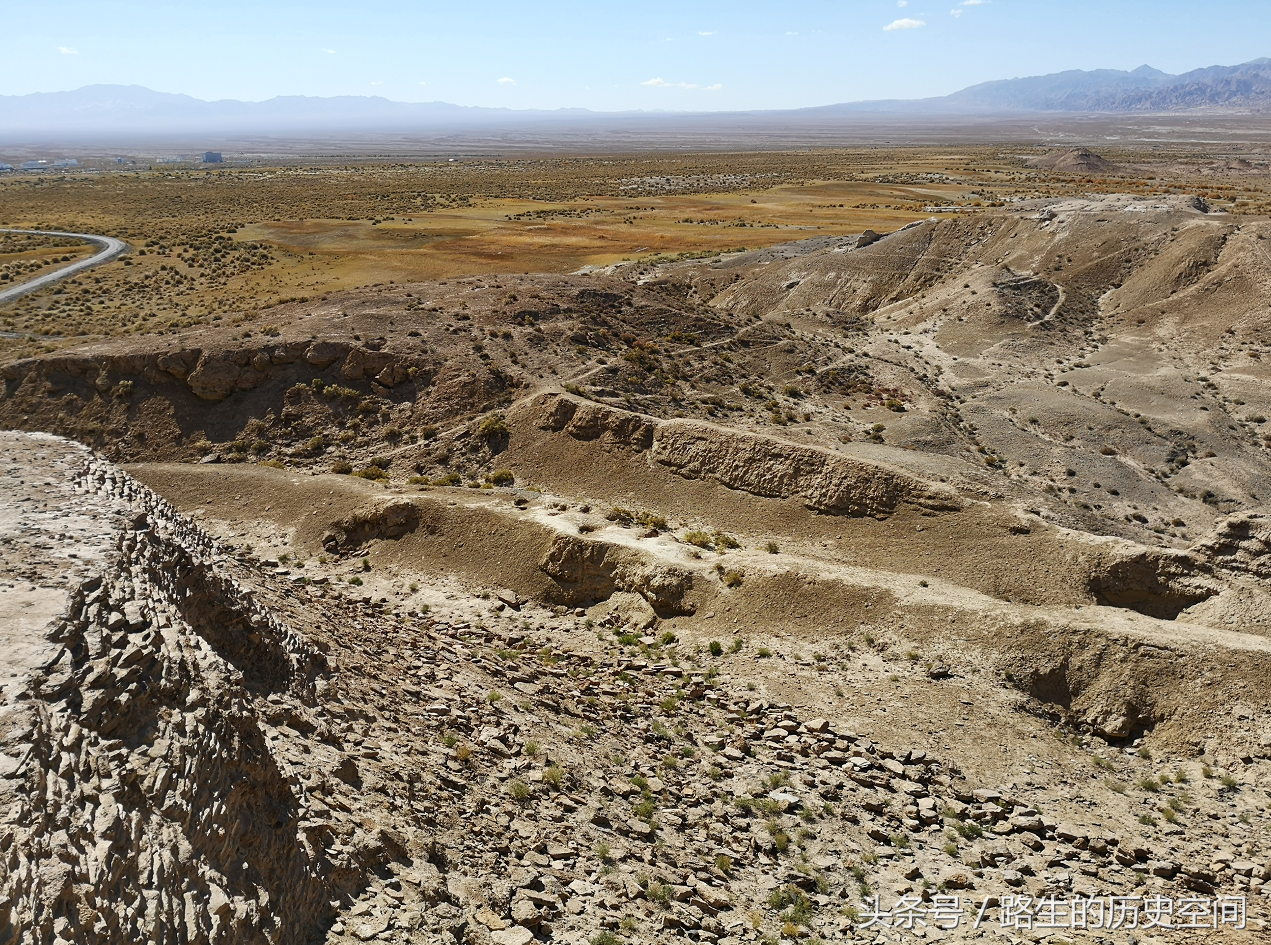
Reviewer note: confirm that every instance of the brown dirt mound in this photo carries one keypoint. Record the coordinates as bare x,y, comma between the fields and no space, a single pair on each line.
1075,161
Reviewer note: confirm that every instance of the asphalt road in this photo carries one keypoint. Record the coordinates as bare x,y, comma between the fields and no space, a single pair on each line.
110,249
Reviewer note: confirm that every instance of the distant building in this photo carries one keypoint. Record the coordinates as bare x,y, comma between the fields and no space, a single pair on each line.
34,165
212,157
66,162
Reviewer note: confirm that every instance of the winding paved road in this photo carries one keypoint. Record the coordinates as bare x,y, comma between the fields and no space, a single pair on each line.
110,249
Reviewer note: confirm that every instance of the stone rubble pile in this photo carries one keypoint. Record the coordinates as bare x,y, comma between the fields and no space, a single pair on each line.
144,804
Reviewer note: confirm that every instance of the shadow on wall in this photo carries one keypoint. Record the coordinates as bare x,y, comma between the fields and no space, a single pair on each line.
1152,584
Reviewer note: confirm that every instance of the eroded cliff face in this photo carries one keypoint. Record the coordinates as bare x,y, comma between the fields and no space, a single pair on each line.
763,466
144,802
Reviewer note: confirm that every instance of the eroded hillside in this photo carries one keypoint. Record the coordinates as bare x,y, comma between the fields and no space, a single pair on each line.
699,601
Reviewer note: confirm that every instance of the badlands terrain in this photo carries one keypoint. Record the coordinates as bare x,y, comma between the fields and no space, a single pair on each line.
701,596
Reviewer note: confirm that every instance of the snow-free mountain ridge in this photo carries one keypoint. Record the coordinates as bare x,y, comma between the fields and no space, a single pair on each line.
117,110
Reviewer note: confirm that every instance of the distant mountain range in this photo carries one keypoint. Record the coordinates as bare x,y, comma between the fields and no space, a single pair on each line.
1243,87
98,111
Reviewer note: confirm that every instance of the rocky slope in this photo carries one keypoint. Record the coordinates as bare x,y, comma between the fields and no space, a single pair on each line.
144,800
201,746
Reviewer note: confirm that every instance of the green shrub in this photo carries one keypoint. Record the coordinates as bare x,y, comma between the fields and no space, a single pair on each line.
649,520
492,427
659,893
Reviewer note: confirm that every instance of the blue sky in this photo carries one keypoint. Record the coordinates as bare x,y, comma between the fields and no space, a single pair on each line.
653,54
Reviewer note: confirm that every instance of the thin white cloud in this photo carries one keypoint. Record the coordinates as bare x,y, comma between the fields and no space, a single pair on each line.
67,51
329,52
902,3
705,32
661,83
506,81
905,23
975,3
956,12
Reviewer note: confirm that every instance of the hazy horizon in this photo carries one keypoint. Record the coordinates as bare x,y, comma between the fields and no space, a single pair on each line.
661,57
